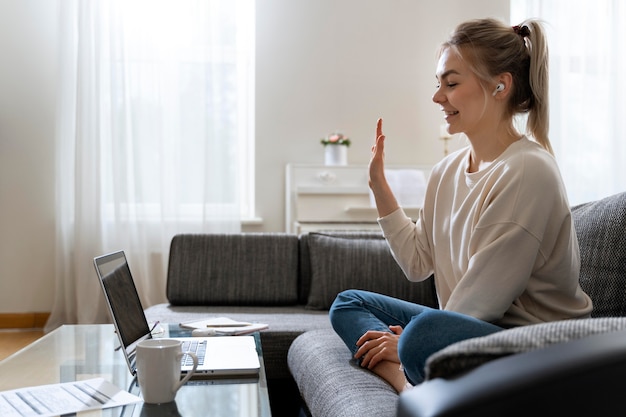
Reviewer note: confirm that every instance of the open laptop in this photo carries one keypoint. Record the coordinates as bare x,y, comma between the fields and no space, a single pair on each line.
229,356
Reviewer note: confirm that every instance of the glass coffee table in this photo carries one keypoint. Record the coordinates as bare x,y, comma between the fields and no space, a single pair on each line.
78,352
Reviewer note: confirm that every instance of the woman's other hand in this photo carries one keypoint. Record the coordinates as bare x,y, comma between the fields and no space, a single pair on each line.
376,346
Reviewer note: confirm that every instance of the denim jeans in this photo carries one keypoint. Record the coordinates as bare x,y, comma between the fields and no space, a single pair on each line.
425,330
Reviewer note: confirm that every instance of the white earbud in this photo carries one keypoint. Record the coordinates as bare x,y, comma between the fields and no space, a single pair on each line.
499,88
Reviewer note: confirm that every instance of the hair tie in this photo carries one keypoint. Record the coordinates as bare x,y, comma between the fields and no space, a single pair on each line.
522,31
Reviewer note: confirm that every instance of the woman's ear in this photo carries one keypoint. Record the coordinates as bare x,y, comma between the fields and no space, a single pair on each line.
503,85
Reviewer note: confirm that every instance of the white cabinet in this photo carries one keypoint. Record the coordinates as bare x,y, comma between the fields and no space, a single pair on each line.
320,197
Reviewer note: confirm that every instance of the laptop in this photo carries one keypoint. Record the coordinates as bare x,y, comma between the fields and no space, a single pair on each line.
229,356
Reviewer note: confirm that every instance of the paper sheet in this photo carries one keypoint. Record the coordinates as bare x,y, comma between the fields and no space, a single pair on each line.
65,398
225,326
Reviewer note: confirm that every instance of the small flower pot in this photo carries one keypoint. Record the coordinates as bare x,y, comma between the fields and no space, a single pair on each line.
335,154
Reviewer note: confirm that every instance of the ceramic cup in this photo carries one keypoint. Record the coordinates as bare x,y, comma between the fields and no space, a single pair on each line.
159,369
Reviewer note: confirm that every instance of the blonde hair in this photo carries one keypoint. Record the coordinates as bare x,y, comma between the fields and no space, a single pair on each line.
491,47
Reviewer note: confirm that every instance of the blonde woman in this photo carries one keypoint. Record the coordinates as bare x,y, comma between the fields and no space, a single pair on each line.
495,229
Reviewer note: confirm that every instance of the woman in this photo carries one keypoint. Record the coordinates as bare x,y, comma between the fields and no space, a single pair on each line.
495,229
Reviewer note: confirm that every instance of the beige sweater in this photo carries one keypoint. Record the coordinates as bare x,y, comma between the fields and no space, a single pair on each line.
500,241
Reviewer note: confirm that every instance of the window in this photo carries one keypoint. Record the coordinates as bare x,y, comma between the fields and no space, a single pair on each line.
586,91
181,100
154,136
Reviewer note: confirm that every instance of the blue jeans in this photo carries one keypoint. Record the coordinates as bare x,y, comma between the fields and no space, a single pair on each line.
425,330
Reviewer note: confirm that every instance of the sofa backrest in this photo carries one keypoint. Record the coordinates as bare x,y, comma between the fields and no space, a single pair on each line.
233,269
601,230
265,269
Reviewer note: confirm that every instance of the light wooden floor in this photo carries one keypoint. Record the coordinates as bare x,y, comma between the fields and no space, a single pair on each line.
12,340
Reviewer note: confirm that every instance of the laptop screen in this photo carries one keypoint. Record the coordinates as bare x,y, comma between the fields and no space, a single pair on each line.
123,301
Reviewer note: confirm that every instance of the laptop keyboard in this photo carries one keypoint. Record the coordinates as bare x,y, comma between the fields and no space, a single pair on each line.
197,347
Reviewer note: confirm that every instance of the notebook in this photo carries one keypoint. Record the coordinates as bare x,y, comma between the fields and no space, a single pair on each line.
221,355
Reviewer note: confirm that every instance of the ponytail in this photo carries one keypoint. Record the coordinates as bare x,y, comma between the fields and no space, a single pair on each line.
538,122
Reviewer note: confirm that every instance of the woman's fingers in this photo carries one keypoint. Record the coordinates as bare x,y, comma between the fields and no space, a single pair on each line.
396,329
376,346
369,335
379,141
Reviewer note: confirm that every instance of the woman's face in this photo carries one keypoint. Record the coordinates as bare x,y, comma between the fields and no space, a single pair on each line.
460,95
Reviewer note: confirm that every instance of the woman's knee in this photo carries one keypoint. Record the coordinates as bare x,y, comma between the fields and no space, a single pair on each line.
342,302
433,330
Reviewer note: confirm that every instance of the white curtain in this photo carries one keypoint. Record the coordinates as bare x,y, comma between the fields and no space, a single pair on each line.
155,106
587,40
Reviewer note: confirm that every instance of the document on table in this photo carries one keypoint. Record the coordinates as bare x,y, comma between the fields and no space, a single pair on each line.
225,326
65,398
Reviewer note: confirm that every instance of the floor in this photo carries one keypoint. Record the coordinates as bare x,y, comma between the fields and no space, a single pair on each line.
12,340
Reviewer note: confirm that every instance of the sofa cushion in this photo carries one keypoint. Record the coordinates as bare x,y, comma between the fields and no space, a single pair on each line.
331,383
233,269
601,230
359,261
464,356
305,255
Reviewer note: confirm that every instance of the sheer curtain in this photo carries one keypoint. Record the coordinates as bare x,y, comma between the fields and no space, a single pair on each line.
155,114
587,40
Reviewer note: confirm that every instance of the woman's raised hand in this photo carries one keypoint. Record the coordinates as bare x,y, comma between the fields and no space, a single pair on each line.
377,162
385,200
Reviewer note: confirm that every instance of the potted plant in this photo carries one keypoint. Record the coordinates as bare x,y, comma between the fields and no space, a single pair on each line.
336,149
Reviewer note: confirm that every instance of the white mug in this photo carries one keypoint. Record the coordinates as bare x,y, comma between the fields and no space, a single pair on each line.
159,369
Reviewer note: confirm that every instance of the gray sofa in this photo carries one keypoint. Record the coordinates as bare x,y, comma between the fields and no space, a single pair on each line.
289,281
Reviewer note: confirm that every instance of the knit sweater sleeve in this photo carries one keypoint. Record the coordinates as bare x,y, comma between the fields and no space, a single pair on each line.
409,244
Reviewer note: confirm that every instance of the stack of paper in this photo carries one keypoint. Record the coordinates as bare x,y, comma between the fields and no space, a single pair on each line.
225,326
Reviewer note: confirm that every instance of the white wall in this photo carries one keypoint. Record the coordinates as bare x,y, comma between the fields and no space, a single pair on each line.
322,65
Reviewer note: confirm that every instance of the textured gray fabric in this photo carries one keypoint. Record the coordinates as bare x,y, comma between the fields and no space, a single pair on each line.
233,269
469,354
339,263
331,384
305,255
601,230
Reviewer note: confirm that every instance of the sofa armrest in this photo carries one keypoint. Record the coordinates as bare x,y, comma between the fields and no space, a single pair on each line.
578,378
